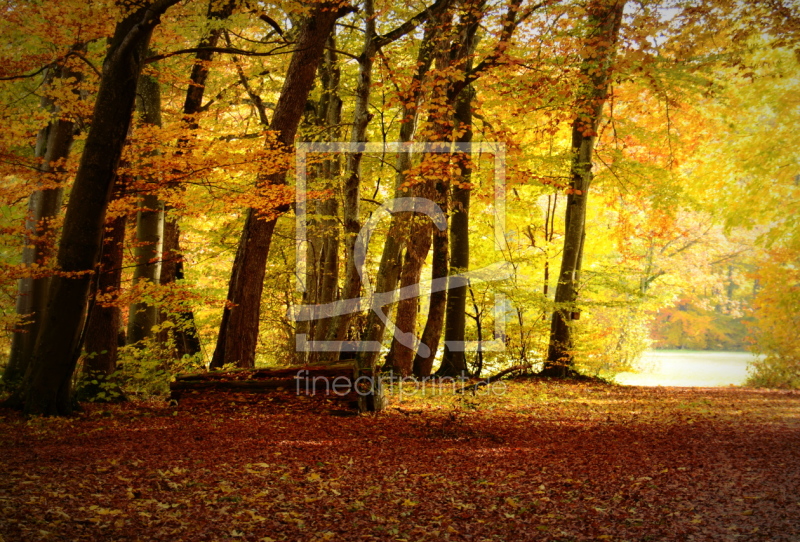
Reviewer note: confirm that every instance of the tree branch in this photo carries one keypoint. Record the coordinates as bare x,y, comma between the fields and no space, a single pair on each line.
149,20
257,101
223,50
510,24
409,25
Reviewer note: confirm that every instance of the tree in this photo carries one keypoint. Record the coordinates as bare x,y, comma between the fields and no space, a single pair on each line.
47,387
53,146
184,334
149,223
236,342
373,43
104,319
604,21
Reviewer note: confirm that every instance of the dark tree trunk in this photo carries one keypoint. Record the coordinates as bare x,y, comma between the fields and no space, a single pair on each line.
184,332
322,271
47,386
390,265
104,323
459,56
53,145
401,357
605,21
236,342
149,225
433,325
454,361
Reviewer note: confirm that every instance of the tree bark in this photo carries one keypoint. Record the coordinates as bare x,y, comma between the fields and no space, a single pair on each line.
149,225
47,385
433,325
401,358
236,342
454,361
605,21
459,56
322,271
390,264
52,146
104,323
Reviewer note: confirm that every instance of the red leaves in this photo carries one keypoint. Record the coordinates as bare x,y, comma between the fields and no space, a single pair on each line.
545,462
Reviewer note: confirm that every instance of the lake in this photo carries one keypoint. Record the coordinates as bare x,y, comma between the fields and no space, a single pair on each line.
689,368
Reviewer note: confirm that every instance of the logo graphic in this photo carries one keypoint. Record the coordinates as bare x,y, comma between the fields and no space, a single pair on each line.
375,301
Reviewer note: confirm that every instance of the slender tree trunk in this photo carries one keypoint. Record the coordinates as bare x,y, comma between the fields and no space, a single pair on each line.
324,268
47,385
53,145
459,56
454,361
390,265
401,357
605,21
338,329
478,331
236,342
351,288
184,333
433,325
149,226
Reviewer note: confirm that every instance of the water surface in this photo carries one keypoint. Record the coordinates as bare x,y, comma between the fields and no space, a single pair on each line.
689,368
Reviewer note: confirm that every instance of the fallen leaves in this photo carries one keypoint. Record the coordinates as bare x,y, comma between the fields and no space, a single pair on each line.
550,461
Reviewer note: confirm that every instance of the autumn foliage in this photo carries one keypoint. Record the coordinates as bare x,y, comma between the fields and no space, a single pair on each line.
544,461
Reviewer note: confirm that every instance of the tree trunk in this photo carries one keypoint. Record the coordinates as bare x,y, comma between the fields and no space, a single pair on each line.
605,21
401,357
389,269
351,288
454,361
105,320
423,362
184,332
458,56
53,145
149,226
338,329
47,385
322,280
236,342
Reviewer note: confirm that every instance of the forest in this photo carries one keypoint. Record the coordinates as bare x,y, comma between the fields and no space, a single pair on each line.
191,185
206,202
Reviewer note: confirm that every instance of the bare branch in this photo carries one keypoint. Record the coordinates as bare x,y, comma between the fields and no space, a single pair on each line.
27,75
409,25
510,24
86,60
222,50
257,101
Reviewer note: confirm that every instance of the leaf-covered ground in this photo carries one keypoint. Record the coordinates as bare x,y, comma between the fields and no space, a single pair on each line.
543,461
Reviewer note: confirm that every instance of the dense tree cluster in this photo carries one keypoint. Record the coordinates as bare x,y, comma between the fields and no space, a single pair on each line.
619,162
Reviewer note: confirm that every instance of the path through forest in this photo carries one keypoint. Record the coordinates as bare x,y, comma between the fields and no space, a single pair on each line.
536,461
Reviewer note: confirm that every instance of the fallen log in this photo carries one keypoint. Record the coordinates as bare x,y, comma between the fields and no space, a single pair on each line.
344,369
486,381
334,381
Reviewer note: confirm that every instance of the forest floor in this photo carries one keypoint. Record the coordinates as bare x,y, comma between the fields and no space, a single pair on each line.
537,460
